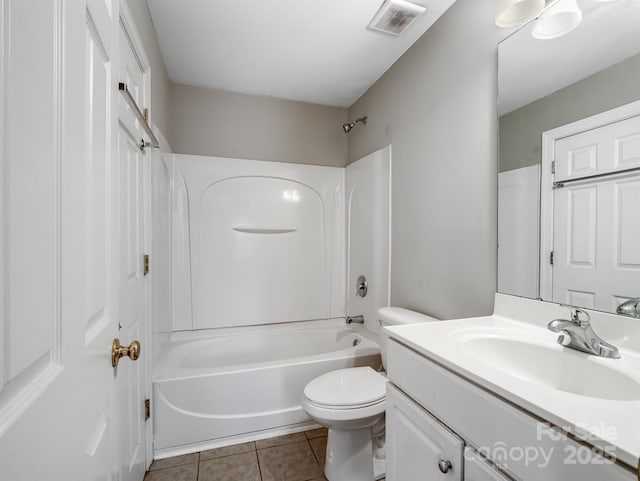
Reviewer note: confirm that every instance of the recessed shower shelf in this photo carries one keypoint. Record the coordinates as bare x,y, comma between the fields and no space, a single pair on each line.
265,230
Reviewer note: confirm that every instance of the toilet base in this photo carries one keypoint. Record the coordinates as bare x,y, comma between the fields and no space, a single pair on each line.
350,456
379,469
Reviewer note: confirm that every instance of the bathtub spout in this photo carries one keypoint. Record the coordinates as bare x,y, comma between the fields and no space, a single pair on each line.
355,319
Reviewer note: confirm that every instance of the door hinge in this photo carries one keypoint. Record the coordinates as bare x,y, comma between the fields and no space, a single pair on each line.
551,257
553,166
147,409
146,264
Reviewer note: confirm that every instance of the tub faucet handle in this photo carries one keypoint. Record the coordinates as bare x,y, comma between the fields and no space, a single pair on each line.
362,286
355,319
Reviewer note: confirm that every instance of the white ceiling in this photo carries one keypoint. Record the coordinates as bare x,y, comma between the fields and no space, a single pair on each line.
530,69
317,51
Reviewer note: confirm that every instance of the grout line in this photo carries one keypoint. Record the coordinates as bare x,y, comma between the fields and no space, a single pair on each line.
259,467
198,469
228,455
313,452
315,455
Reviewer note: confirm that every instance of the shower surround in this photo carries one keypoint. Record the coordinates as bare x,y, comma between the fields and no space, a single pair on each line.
256,257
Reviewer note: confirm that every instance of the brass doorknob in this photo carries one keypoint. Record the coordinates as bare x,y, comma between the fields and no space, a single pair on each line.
132,351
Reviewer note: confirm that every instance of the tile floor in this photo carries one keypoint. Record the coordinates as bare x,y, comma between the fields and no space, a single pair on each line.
294,457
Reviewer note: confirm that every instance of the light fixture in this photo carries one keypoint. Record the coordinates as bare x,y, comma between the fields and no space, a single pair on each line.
513,13
562,17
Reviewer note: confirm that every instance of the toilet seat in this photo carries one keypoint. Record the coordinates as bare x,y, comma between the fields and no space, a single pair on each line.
353,417
349,388
346,395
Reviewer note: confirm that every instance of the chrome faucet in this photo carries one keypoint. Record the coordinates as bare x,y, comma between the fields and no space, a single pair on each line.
630,308
577,333
355,319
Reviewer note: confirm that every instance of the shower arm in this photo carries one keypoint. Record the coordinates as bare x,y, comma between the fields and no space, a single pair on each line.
349,125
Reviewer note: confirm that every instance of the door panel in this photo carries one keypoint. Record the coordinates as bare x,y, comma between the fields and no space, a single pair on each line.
417,442
55,395
596,222
609,148
130,376
30,210
627,224
96,194
60,412
597,243
130,382
100,301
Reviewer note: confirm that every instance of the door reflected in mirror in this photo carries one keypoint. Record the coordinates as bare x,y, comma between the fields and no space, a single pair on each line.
569,160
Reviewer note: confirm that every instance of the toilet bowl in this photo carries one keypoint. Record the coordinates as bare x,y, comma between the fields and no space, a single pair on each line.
351,404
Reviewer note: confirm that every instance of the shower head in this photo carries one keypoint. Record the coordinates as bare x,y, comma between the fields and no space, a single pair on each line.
348,126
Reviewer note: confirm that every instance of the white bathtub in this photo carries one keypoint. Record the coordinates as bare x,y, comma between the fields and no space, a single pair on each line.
247,383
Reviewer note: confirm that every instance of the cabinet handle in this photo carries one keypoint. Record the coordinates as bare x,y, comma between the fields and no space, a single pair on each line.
444,466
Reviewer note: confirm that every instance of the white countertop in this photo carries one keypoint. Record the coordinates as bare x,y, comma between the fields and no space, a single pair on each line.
610,424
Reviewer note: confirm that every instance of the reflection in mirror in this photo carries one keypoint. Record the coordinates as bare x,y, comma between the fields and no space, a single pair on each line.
569,160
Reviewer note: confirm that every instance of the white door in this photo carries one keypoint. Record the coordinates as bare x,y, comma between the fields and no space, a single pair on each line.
419,448
131,167
60,417
518,231
596,220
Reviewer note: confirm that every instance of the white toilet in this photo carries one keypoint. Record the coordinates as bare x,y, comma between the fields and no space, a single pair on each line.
351,403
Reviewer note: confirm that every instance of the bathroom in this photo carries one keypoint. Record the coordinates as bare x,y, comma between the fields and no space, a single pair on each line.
444,207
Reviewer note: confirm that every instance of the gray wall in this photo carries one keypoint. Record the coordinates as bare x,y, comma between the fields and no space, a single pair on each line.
159,78
437,107
226,124
521,130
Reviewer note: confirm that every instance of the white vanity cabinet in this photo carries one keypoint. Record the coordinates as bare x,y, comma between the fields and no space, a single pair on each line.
434,414
477,469
419,448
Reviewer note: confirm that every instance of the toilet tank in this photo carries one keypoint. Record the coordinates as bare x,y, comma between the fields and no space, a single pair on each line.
395,316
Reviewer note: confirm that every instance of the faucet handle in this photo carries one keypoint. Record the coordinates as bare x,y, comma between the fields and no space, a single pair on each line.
575,317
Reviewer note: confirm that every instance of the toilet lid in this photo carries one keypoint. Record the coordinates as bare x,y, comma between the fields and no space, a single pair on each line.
347,387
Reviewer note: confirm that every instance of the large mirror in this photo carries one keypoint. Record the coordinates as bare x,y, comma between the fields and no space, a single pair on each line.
569,159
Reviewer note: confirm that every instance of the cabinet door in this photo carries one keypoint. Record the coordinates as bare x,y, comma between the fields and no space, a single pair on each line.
419,448
477,469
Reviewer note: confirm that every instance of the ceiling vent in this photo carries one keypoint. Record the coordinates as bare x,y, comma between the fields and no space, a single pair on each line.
395,16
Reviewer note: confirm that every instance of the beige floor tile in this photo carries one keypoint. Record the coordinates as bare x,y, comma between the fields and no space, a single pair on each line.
175,461
319,447
186,472
289,462
237,467
280,440
227,451
316,433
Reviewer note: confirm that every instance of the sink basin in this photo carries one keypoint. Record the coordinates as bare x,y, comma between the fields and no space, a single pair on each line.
552,366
